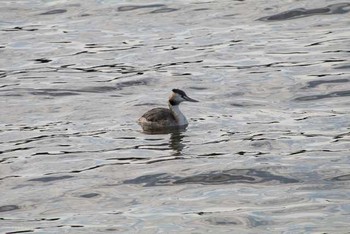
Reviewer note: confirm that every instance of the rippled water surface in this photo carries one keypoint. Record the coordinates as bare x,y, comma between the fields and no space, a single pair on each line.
267,147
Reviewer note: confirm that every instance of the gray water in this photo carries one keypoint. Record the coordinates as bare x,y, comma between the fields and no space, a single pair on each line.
267,147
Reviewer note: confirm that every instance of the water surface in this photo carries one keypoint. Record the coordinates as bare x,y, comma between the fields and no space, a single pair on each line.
267,147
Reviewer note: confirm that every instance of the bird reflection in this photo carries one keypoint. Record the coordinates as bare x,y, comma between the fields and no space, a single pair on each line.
176,142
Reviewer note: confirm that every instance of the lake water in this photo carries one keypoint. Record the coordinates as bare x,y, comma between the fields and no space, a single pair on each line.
267,147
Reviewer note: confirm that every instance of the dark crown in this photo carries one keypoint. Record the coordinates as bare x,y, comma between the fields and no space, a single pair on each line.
180,92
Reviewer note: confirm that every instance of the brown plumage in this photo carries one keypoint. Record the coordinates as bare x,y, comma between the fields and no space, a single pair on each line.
158,115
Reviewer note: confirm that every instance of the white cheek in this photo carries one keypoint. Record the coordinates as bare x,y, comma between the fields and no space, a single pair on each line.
180,99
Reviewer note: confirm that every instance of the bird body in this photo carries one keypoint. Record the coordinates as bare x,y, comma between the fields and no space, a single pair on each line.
163,118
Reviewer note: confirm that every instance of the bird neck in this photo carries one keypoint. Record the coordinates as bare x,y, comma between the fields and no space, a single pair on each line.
180,118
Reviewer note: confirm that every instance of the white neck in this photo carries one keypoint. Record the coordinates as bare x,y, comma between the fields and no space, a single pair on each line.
180,118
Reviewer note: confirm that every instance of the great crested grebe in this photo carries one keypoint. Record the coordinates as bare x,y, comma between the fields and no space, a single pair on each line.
163,118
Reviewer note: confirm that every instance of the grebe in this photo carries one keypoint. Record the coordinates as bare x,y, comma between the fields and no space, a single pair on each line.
162,118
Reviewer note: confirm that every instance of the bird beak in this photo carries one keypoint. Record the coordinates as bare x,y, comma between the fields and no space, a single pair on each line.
190,99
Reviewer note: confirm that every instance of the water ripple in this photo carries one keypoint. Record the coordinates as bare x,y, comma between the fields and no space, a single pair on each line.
335,94
212,178
339,8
